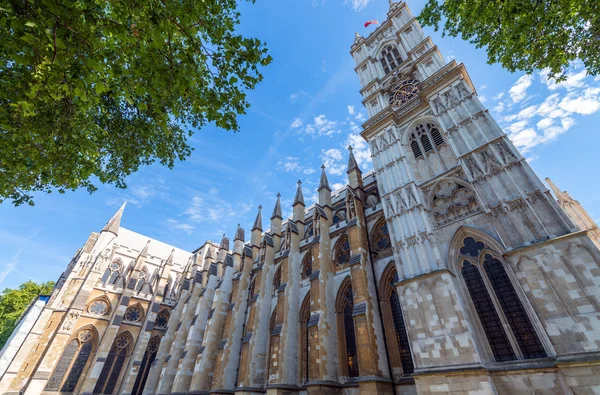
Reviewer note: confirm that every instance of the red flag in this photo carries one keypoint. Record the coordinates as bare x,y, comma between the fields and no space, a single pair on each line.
374,22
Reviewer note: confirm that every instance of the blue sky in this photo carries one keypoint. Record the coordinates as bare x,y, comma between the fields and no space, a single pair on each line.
304,113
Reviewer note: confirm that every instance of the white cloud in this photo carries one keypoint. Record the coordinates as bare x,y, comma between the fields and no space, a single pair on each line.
332,159
499,96
499,107
173,224
518,92
482,87
573,81
337,185
357,5
322,126
580,105
360,149
482,98
296,123
350,110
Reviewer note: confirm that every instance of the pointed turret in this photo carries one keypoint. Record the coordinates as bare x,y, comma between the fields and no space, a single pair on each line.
114,224
144,252
324,189
258,220
277,208
562,196
580,217
224,243
324,182
256,229
354,173
239,234
299,198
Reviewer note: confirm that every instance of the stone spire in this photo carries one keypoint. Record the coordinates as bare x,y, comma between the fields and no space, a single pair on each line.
258,220
144,252
239,233
277,208
224,243
352,165
323,182
299,198
115,222
562,196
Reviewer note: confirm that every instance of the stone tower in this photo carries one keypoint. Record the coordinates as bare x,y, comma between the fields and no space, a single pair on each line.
498,287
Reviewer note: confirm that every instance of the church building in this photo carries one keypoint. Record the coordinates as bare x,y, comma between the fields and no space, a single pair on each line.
449,269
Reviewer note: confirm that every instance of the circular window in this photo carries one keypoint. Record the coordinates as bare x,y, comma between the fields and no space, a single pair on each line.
85,336
161,320
98,307
122,342
134,314
153,347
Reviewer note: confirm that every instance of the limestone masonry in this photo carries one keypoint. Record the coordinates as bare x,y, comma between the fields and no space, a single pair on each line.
450,268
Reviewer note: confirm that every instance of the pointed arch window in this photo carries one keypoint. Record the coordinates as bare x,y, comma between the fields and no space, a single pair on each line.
342,250
149,357
381,236
339,216
508,328
305,339
142,279
112,272
390,58
309,231
162,320
307,263
350,352
111,371
72,362
425,138
277,279
134,314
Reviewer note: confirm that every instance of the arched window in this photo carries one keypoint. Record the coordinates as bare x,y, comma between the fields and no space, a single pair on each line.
380,237
347,336
142,279
398,343
304,339
112,273
99,307
309,231
390,58
277,279
162,319
274,344
252,292
505,322
74,360
149,356
111,371
339,216
134,314
426,138
307,265
342,250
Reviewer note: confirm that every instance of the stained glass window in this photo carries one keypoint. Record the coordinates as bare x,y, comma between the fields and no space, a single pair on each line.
149,356
309,231
307,265
351,350
62,366
162,319
111,370
515,313
382,237
98,307
342,251
492,325
77,368
82,347
339,216
471,247
133,314
401,335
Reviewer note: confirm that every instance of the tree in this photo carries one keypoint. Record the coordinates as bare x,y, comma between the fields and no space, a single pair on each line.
525,35
13,303
93,89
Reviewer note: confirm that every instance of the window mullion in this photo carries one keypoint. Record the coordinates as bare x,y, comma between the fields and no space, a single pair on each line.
505,324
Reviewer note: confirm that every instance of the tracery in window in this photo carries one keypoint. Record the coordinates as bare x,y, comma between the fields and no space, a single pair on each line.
133,314
142,279
147,361
304,338
425,138
345,307
309,231
277,279
342,250
307,265
99,307
73,361
339,216
112,272
505,322
162,319
390,58
380,236
453,200
111,371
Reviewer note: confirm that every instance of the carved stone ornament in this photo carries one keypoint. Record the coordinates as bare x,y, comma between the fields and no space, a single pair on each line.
70,321
452,201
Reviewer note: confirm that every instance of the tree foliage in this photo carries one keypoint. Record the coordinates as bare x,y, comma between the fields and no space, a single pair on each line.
13,303
93,89
525,35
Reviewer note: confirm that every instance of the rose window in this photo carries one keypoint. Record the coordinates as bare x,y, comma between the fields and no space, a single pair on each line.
85,336
133,314
162,320
122,342
98,307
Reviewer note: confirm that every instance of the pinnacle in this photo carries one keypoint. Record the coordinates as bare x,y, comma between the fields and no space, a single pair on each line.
277,208
352,165
299,198
114,223
258,220
239,233
323,182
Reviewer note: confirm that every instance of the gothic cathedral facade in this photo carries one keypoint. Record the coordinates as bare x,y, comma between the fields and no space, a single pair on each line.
449,268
